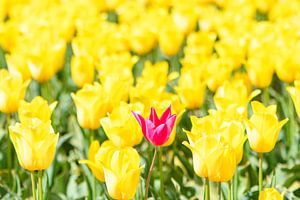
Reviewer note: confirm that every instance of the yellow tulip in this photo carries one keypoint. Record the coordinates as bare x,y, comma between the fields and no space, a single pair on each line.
82,70
35,143
263,127
97,156
260,71
46,59
233,134
234,93
191,88
170,39
122,174
12,90
17,64
219,70
142,40
295,94
92,104
184,18
270,194
37,108
213,159
121,127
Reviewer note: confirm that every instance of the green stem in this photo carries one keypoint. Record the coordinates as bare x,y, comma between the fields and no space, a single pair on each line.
33,186
207,189
150,174
9,146
260,172
162,194
235,185
40,182
94,188
220,191
266,96
229,190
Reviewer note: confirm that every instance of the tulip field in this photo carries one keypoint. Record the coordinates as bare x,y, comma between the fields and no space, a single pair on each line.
149,99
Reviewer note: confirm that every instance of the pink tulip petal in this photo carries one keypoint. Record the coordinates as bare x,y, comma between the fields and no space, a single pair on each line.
165,115
153,117
148,134
161,135
171,121
141,121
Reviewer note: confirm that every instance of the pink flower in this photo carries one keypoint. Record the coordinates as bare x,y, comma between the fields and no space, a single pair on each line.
157,130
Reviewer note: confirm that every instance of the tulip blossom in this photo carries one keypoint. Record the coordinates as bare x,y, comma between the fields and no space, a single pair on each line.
270,193
157,130
12,90
263,127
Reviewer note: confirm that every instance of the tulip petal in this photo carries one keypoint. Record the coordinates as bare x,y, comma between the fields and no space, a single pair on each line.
161,135
141,121
153,117
165,115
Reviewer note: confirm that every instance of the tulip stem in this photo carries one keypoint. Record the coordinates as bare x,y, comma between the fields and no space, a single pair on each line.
40,182
162,195
9,152
207,189
266,96
150,173
235,185
260,172
229,190
33,185
220,191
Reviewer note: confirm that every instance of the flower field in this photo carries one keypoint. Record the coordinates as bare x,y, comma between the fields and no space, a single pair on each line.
149,99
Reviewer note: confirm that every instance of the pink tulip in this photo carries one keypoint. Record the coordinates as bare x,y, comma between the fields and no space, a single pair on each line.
157,130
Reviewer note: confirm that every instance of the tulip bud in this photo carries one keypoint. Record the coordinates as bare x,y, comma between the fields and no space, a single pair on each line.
270,193
120,123
35,143
170,40
122,173
82,70
12,90
92,104
263,127
191,88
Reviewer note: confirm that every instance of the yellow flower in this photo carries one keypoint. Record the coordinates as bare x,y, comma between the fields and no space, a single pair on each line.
184,17
191,88
12,90
260,70
142,39
170,39
46,58
122,173
92,104
82,70
219,70
121,127
233,134
263,127
17,65
35,143
295,94
234,93
97,156
213,159
270,194
37,108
